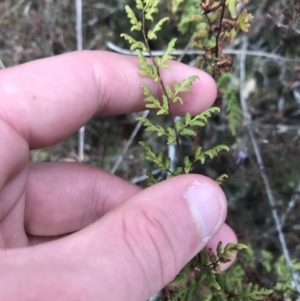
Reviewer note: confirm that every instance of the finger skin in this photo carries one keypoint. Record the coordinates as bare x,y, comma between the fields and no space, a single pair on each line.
66,197
130,253
49,99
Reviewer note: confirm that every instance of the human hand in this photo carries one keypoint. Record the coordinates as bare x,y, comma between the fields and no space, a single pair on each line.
125,243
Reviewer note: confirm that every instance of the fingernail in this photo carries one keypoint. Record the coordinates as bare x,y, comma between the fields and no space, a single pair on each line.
207,207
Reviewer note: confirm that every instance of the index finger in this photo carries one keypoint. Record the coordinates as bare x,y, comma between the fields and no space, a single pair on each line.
49,99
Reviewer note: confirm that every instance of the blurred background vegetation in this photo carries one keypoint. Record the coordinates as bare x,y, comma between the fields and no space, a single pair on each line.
34,29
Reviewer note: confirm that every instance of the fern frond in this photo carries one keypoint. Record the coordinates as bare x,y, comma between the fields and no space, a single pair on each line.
250,293
139,4
198,120
198,156
175,4
171,135
134,44
154,103
147,70
187,165
178,171
233,110
228,251
206,114
243,20
232,7
184,85
227,85
187,132
183,125
213,152
150,127
224,80
167,55
164,109
152,32
213,283
151,8
169,91
157,158
151,179
220,179
136,25
161,63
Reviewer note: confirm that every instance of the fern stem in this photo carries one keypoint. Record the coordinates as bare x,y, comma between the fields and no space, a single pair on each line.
170,171
217,50
220,28
164,91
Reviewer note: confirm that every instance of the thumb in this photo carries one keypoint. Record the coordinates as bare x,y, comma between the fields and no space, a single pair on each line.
141,245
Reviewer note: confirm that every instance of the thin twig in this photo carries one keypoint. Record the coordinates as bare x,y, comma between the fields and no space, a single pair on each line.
1,65
292,203
185,50
155,297
268,55
142,178
79,48
261,166
79,24
128,143
279,127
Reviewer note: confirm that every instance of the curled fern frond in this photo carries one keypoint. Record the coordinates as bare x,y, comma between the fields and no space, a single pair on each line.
213,152
206,114
154,103
157,158
151,8
147,70
151,179
184,86
167,55
227,86
233,110
134,44
150,127
152,32
220,179
139,4
136,25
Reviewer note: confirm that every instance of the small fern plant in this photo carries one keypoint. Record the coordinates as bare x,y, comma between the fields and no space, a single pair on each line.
141,18
206,269
171,94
